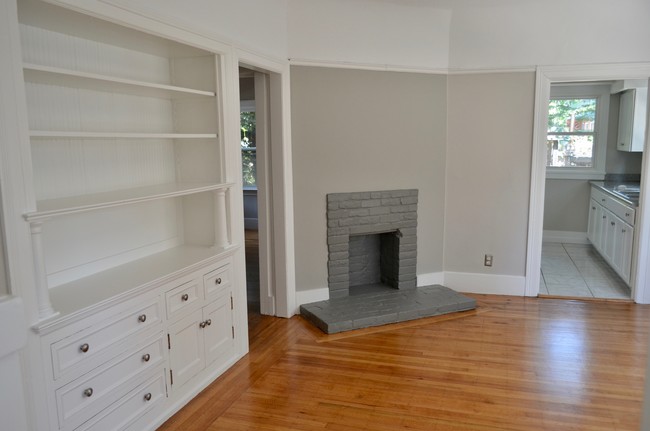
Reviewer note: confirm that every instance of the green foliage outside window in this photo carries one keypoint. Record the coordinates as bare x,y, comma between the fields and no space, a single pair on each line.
248,149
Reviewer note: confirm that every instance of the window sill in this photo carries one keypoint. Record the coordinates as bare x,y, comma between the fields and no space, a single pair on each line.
574,175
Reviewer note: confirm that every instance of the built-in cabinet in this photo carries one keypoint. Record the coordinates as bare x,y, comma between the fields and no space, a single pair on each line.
611,230
131,219
632,119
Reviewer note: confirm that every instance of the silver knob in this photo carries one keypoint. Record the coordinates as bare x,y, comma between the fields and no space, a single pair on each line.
623,231
627,214
604,217
613,223
603,200
88,392
142,318
185,297
84,347
217,281
208,322
146,357
147,396
593,208
202,325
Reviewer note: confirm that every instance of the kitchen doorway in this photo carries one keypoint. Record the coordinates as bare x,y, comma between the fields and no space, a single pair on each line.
592,174
547,78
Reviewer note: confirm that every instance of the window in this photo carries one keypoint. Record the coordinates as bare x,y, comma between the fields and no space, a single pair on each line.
248,149
577,131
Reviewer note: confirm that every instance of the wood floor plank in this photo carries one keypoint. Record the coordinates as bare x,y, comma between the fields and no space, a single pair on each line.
512,364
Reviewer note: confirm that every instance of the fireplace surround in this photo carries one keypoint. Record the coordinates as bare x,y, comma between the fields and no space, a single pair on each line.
389,217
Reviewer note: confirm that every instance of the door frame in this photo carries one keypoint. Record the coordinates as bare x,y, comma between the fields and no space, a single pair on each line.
545,76
280,215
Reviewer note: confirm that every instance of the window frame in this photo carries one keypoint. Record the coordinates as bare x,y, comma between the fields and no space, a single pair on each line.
600,92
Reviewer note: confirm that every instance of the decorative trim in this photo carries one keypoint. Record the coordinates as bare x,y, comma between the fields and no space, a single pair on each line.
431,278
456,71
566,237
309,296
486,283
366,66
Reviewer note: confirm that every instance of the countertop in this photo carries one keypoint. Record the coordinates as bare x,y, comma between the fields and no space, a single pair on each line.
625,191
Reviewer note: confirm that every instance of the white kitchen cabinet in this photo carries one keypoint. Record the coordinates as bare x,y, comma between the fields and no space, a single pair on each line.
610,233
632,120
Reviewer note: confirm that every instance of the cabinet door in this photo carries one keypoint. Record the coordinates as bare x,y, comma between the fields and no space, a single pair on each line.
626,240
219,334
593,221
186,348
625,118
610,237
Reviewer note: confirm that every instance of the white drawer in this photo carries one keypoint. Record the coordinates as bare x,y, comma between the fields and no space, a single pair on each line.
85,397
183,298
624,211
218,280
93,346
125,413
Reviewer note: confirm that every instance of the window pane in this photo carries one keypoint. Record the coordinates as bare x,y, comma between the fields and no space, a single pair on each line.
248,148
570,151
571,115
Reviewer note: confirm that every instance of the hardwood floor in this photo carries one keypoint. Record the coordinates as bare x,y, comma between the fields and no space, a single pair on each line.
512,364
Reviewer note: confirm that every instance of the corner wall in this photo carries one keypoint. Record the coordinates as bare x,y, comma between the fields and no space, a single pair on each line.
356,130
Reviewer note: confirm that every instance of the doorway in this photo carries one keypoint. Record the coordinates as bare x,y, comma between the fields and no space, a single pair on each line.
255,141
547,79
587,248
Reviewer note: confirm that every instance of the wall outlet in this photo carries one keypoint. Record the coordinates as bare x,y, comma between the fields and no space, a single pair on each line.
488,260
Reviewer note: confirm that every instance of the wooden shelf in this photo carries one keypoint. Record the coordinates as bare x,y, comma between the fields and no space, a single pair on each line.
89,293
92,81
112,135
75,204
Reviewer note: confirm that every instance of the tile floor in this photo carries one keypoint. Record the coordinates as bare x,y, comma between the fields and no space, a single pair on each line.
579,270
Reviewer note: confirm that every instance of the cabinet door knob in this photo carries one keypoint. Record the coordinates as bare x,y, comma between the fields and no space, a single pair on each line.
627,214
603,200
88,392
202,325
623,230
185,297
142,318
146,357
593,208
604,217
217,281
84,347
147,396
612,223
208,322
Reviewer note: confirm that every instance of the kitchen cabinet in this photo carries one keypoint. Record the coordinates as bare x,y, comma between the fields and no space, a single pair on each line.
632,120
611,231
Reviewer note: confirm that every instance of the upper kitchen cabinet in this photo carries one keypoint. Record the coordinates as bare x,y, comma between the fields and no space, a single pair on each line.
632,116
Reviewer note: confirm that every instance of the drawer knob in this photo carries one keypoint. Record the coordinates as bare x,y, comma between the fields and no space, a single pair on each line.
185,297
217,281
88,392
604,217
84,347
147,396
627,214
142,318
613,223
146,357
202,325
208,322
603,200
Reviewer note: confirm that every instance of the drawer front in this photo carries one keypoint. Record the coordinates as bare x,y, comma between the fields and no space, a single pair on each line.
600,197
93,346
625,212
183,298
217,281
124,414
83,398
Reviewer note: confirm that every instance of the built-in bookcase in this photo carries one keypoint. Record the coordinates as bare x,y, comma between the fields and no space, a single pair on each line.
127,155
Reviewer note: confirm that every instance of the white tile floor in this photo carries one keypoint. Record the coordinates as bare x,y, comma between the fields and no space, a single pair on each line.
579,270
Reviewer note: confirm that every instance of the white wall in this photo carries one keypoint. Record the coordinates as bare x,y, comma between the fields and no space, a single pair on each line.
512,33
406,33
256,25
488,171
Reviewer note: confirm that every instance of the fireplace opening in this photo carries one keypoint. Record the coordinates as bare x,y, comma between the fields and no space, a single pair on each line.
373,261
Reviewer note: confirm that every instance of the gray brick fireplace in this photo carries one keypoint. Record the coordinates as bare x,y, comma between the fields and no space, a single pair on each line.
371,239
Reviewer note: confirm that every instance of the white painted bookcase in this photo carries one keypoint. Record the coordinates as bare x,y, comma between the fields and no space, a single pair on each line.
139,296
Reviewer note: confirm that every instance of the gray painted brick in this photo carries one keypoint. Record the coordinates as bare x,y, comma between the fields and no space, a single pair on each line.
332,223
370,220
338,270
390,218
379,211
408,239
337,214
408,262
401,209
409,200
400,193
408,254
359,212
408,231
360,195
336,197
349,221
333,248
371,203
341,255
340,278
337,239
332,206
350,204
375,195
411,216
335,231
390,201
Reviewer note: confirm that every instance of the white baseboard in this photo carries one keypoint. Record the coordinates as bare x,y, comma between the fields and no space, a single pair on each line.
486,283
565,237
431,278
312,295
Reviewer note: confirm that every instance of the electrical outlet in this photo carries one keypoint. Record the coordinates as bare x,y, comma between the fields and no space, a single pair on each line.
488,260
